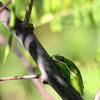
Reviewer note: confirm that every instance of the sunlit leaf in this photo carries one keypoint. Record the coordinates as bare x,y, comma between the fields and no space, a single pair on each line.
77,18
56,5
8,48
46,6
66,4
76,14
12,24
86,18
12,18
97,56
96,11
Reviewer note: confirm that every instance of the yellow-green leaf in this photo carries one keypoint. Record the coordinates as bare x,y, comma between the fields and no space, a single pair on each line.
12,24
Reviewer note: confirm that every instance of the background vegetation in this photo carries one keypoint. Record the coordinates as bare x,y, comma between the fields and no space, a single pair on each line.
66,27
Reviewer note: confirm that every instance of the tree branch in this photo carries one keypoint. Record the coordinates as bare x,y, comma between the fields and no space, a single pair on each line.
41,57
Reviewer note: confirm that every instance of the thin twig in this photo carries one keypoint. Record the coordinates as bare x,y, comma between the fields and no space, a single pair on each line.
5,5
28,13
19,77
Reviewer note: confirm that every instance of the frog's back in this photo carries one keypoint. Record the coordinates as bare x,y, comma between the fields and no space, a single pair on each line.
77,81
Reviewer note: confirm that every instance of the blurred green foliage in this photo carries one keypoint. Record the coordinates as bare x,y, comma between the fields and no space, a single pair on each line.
65,27
12,24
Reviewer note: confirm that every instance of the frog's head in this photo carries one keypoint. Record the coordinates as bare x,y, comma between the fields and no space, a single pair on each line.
58,57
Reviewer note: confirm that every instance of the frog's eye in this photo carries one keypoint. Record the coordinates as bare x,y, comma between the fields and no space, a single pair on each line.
61,58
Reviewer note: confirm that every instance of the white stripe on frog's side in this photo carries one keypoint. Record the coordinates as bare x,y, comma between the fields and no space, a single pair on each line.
67,67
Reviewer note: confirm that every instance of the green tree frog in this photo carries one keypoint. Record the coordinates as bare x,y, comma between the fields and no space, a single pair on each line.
69,71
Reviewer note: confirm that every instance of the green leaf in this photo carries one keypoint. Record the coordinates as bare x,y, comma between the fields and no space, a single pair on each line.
66,4
96,11
97,56
12,18
86,17
56,5
8,48
77,18
46,6
12,24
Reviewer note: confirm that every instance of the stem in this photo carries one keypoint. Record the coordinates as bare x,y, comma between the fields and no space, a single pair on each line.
28,13
19,77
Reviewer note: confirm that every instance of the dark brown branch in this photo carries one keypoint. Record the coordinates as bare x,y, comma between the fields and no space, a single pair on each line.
41,57
37,83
